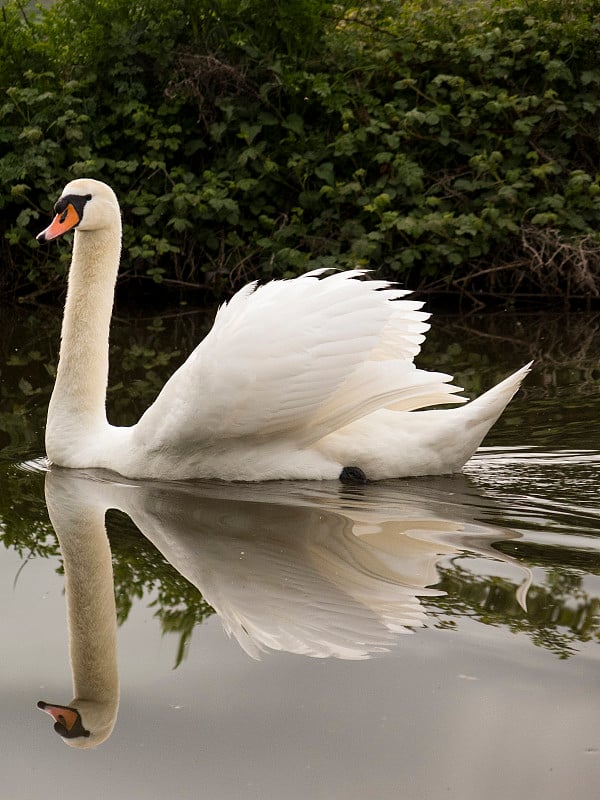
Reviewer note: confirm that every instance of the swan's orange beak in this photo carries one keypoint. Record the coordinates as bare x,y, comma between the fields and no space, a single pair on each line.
61,223
65,716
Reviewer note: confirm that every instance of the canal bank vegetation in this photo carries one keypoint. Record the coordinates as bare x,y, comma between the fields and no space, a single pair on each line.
453,147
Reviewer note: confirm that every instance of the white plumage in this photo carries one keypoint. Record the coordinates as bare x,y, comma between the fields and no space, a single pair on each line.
297,378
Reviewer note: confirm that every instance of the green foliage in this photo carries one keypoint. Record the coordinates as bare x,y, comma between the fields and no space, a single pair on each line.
443,144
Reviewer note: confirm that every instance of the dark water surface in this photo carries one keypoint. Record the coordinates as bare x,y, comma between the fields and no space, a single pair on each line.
414,639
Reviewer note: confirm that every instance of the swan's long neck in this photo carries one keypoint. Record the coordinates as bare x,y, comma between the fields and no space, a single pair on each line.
77,410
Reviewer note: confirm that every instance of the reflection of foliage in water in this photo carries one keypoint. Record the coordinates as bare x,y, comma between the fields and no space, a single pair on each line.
479,350
143,355
24,524
560,614
139,569
558,404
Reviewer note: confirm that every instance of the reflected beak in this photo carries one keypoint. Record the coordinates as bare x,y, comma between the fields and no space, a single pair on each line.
65,716
61,223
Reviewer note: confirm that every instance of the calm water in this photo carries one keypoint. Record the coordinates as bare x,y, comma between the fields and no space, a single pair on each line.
413,639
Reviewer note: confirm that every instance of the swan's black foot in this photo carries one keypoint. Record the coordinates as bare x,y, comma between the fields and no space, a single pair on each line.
353,475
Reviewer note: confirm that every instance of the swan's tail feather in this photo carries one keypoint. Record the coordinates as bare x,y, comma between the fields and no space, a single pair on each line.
395,385
485,410
459,432
395,443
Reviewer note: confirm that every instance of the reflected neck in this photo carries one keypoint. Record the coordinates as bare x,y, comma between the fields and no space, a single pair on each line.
78,520
91,609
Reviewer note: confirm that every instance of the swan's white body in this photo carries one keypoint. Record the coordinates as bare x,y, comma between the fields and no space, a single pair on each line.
296,380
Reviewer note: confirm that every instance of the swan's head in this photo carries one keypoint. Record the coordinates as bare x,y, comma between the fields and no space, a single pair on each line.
86,726
85,204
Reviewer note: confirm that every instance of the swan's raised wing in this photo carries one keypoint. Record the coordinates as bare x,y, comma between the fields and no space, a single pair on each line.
277,355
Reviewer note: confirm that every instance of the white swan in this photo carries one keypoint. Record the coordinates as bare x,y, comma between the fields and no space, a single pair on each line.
297,379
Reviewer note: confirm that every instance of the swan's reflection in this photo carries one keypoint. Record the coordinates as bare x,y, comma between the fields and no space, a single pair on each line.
79,525
316,569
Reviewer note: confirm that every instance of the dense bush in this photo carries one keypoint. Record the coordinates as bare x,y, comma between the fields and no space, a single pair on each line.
446,145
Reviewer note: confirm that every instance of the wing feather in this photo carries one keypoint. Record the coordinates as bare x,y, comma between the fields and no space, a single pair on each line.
294,357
